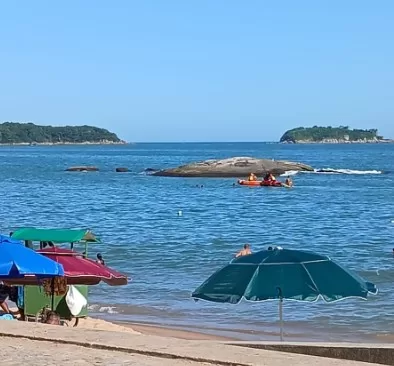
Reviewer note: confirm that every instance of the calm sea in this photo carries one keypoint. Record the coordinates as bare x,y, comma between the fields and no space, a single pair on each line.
347,216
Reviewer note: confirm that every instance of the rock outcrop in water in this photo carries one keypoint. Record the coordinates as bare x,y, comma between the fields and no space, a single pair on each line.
82,169
237,167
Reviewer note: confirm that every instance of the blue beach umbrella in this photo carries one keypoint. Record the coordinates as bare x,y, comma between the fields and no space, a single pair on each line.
282,274
18,262
8,240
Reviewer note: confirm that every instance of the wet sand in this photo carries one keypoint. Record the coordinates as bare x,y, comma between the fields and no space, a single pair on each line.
156,330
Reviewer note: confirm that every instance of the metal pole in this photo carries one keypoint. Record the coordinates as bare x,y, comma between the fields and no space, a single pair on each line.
281,318
280,296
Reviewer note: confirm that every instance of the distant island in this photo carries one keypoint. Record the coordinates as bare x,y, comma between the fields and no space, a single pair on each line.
14,133
341,134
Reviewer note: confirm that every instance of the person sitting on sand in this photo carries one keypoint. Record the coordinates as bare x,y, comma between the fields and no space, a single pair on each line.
53,318
11,293
289,182
4,294
252,177
245,251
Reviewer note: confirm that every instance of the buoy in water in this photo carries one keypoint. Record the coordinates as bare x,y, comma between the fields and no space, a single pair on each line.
179,213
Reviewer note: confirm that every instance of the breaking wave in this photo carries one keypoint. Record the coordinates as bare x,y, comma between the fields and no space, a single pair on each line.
333,171
289,173
103,309
347,171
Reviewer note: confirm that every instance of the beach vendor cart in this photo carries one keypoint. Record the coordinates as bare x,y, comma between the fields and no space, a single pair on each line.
80,272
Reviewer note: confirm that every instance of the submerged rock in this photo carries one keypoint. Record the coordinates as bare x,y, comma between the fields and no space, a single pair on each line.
82,169
236,167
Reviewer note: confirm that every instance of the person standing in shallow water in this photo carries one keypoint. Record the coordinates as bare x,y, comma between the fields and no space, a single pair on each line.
100,259
245,251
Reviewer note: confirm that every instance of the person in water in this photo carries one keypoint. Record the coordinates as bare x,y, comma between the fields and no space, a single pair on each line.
245,251
289,182
252,177
100,259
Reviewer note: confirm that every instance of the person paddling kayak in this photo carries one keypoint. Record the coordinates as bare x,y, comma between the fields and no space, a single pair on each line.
252,177
269,177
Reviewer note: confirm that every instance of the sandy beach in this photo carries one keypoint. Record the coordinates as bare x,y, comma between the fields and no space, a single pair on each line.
145,329
98,342
16,352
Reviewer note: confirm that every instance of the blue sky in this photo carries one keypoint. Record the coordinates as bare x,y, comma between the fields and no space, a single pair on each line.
198,70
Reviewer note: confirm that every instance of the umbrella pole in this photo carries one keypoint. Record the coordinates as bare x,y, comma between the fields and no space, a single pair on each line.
281,318
280,296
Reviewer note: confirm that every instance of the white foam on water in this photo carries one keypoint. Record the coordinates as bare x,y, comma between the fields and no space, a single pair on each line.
345,171
289,173
108,309
103,309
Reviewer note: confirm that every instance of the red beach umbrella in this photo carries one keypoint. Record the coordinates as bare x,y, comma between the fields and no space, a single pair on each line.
83,271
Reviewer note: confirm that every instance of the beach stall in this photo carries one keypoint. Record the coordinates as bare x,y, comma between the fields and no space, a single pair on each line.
20,265
52,294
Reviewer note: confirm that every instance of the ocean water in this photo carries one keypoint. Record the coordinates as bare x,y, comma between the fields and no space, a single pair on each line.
349,216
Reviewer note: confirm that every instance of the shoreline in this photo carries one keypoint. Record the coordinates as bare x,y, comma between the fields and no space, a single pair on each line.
33,144
338,142
174,332
210,334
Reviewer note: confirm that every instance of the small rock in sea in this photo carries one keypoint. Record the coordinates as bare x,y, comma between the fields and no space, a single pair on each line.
121,170
82,169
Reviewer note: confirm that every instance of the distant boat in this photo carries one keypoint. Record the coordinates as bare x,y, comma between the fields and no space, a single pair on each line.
33,144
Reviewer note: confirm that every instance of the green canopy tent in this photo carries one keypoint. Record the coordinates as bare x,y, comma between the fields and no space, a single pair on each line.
72,236
35,298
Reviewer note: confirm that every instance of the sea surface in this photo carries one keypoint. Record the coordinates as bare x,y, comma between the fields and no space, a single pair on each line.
349,216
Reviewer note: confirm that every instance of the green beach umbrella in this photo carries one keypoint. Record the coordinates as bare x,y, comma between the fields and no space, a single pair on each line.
282,274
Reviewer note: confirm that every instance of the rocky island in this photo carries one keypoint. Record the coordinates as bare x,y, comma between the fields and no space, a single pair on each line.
14,133
237,167
342,134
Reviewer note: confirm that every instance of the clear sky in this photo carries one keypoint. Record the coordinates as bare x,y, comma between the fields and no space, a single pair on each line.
198,70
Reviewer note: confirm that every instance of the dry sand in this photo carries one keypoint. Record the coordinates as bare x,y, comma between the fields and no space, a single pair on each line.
134,328
100,324
26,343
156,330
19,352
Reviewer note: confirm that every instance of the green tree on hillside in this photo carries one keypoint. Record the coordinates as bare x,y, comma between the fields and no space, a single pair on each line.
317,134
14,133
